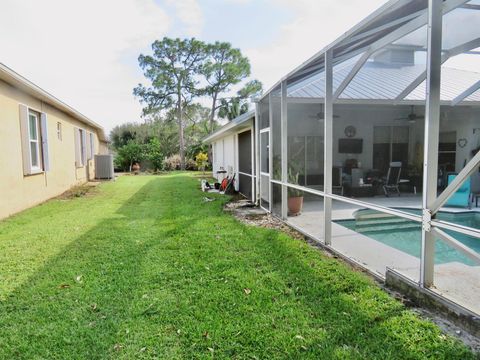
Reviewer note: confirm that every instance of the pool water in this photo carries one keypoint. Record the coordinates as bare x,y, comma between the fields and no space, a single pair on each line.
406,235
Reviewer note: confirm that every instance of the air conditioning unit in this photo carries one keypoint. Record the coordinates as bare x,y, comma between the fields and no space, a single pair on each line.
104,167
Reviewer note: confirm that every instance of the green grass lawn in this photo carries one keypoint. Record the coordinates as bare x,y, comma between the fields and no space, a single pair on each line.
143,269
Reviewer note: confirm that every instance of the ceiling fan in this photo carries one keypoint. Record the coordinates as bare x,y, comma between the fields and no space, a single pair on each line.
412,117
321,116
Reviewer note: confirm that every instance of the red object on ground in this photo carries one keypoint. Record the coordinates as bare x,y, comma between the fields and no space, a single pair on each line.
224,184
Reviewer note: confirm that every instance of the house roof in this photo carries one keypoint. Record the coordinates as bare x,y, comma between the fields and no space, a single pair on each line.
11,77
231,127
381,81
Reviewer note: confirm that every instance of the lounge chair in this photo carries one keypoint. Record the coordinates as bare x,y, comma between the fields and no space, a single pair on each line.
393,179
461,198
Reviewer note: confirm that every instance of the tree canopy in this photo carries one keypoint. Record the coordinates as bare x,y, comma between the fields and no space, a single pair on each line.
180,74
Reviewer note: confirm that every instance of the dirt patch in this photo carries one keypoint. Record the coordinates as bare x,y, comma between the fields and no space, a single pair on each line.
87,189
247,213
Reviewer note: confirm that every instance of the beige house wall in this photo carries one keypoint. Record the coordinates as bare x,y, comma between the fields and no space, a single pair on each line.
18,191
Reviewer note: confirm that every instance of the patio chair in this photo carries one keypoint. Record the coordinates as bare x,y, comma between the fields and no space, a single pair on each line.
461,198
393,179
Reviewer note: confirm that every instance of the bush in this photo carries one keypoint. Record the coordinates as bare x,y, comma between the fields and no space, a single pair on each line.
190,164
201,160
172,163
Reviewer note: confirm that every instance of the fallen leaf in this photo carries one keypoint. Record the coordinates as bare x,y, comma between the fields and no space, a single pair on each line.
64,286
211,349
143,349
205,334
79,278
117,347
247,291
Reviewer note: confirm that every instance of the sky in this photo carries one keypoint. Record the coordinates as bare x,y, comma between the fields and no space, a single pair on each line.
85,52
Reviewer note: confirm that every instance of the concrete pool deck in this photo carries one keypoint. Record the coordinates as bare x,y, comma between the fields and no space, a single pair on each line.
455,281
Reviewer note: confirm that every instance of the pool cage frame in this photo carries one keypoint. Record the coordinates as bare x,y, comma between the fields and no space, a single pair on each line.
325,60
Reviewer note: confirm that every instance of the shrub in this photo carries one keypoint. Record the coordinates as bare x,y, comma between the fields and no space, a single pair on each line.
172,163
190,164
202,160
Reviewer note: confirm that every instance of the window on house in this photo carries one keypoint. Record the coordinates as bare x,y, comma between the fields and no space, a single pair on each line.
80,147
33,128
390,143
34,140
59,131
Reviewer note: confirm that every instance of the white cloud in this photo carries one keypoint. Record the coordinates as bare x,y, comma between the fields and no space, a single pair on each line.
84,52
315,24
190,14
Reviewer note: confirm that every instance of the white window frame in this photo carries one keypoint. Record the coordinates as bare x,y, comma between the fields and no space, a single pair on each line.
37,142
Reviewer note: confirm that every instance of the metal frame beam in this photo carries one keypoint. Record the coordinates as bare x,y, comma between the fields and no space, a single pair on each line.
328,148
457,50
395,35
284,152
270,152
468,170
472,254
391,24
466,93
356,68
432,127
257,154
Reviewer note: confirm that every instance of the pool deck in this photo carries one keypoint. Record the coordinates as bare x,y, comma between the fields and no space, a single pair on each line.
456,281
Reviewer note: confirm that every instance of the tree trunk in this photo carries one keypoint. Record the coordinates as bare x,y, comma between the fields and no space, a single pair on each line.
212,113
180,132
212,119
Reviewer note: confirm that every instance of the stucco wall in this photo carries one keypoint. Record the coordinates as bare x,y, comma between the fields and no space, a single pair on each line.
18,191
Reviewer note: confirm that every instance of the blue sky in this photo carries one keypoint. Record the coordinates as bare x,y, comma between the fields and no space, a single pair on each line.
85,51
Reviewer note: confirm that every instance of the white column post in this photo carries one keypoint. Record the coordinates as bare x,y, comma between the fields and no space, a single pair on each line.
328,150
257,153
432,127
270,153
284,152
253,146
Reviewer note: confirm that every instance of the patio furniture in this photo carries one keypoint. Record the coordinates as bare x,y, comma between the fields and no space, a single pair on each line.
393,179
475,197
461,198
337,179
365,190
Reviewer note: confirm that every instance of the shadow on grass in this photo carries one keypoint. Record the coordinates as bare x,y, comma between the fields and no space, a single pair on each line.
74,305
169,277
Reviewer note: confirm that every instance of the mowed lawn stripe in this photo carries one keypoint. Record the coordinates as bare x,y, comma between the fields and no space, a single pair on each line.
144,268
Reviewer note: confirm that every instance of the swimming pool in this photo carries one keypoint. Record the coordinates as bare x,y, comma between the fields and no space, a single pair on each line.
406,235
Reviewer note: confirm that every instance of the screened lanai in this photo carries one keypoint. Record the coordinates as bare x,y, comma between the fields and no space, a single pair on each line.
379,135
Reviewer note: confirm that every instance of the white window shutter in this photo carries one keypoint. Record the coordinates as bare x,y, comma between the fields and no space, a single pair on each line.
92,145
44,133
78,160
27,163
89,147
84,146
